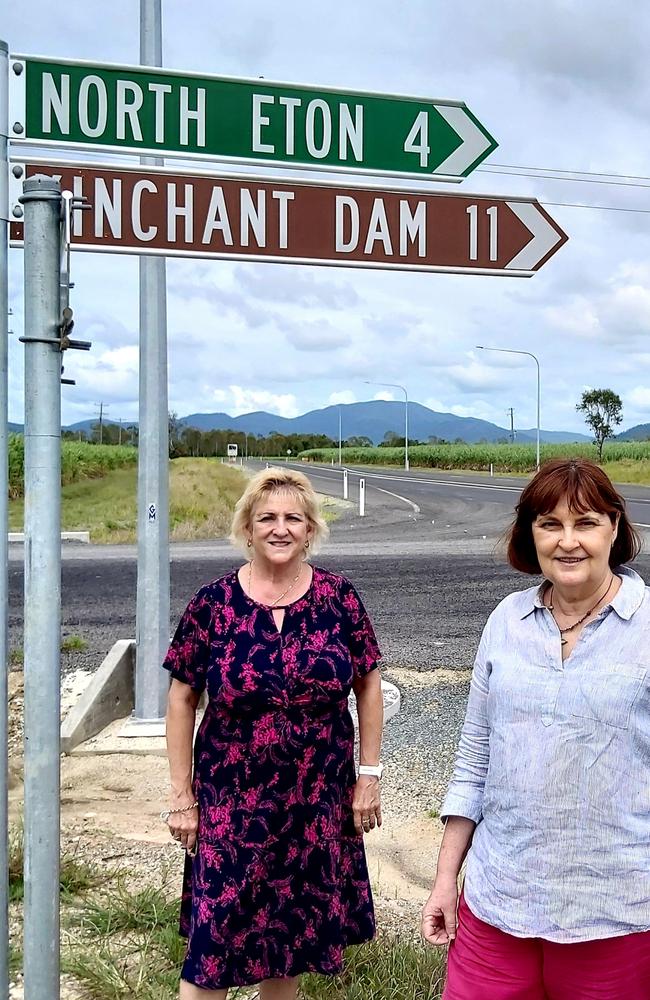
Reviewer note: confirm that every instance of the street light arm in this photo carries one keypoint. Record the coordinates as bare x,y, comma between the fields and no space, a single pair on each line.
528,354
396,385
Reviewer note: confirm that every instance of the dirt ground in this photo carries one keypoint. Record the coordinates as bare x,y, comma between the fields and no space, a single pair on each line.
110,815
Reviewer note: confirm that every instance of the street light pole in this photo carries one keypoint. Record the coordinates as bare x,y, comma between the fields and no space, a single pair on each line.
340,439
396,385
507,350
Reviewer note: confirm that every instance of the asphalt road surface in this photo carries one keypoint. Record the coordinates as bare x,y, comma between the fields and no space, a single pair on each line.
426,560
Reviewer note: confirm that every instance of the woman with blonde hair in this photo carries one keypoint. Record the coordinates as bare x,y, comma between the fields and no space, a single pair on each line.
272,814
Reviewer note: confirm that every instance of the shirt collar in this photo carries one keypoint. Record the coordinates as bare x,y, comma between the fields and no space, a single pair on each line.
627,600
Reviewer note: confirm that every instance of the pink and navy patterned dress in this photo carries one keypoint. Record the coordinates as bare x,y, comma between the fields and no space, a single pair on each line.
279,885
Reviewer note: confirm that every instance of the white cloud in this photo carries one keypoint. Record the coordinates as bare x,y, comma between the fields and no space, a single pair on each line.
347,396
292,338
639,397
249,400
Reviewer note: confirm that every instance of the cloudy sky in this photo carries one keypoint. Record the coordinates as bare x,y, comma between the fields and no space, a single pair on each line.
562,85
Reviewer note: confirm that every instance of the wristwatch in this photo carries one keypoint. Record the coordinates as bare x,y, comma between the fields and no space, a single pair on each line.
371,770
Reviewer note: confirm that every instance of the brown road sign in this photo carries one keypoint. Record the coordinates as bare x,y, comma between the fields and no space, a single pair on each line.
148,210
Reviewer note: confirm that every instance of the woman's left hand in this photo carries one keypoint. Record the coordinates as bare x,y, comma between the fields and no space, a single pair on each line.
366,804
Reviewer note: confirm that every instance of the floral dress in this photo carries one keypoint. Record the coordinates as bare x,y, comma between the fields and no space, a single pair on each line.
279,884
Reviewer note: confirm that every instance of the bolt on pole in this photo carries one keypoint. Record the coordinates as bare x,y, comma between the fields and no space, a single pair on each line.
4,489
152,613
42,713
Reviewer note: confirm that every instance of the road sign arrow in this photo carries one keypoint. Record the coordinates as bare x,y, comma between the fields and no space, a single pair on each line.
545,236
199,214
149,110
475,142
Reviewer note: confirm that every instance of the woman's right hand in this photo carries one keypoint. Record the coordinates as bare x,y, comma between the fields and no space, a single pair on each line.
439,918
184,827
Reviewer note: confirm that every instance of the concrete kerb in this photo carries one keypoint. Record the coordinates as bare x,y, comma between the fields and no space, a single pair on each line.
110,696
66,536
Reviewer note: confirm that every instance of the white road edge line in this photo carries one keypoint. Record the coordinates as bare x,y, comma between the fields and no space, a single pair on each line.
416,509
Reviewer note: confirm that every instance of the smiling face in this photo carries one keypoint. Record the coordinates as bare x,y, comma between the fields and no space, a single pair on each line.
573,548
279,528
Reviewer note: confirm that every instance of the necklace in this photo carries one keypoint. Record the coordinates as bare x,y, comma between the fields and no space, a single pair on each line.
570,628
284,593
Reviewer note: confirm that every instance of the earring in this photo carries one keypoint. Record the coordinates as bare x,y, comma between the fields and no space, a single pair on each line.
249,543
307,544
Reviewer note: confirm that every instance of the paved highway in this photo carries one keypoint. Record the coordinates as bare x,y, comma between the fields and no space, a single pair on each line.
480,494
430,576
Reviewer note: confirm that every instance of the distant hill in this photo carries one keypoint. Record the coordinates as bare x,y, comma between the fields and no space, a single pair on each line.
370,419
640,432
373,419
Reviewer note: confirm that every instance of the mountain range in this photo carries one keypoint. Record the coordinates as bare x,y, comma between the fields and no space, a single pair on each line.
370,419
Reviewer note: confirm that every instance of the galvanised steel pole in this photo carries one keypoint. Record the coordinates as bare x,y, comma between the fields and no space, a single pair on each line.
528,354
152,614
340,439
4,523
397,385
42,201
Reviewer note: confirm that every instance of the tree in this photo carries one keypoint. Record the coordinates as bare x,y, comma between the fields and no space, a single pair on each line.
175,428
603,411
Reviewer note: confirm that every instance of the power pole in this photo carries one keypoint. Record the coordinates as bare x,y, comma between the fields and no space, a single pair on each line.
101,407
511,412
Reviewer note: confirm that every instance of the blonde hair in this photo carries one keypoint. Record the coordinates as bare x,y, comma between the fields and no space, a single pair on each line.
275,480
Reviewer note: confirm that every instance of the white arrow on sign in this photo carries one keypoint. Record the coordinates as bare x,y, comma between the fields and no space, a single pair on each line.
474,144
544,236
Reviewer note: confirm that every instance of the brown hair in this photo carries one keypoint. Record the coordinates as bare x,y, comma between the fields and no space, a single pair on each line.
584,486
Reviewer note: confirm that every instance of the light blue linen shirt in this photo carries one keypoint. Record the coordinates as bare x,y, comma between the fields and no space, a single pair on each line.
554,767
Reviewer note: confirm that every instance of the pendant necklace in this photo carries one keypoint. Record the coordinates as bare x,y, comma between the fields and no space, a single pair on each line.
284,593
570,628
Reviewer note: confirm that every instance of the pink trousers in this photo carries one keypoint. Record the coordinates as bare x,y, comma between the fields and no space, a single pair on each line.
487,964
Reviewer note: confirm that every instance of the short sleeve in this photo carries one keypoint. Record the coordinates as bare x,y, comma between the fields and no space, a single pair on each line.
362,641
189,653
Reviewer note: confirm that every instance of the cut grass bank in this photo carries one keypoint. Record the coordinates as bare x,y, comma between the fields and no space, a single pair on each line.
202,496
624,461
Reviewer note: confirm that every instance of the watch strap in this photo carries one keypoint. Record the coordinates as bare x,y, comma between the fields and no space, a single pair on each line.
371,770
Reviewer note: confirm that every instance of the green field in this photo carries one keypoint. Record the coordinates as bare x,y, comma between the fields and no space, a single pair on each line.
79,460
202,496
625,461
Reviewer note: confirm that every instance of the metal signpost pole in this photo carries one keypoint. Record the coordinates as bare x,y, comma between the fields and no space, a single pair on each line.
4,475
42,201
152,614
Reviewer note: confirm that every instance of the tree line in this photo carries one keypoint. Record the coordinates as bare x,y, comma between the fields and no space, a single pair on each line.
602,409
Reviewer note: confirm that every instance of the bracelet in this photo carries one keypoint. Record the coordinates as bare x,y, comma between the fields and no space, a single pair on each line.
166,813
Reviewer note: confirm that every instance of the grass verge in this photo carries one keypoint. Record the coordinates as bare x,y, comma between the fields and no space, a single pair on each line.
120,944
202,494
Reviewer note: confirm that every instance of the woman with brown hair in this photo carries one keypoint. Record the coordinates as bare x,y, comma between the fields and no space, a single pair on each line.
550,796
272,814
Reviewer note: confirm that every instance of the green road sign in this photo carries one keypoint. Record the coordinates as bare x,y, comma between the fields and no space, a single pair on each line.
141,109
